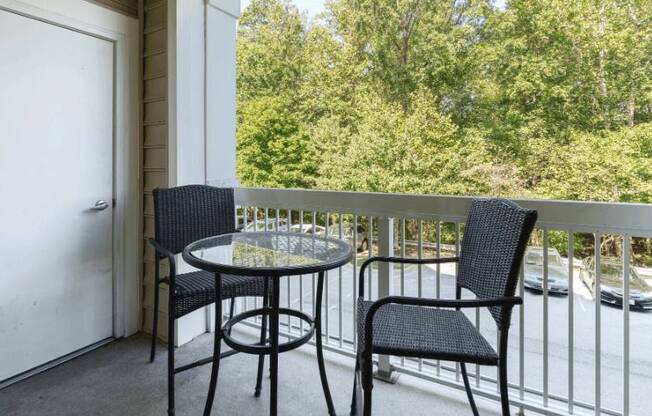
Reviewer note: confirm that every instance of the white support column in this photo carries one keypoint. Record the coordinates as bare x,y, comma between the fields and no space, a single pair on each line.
385,286
201,90
220,105
221,18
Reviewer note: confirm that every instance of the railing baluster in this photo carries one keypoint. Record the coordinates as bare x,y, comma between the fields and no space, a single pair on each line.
403,268
626,295
457,271
420,255
545,317
254,217
355,283
326,287
314,225
420,270
477,367
598,324
255,222
288,279
370,245
339,288
438,278
245,221
277,222
571,320
301,213
521,339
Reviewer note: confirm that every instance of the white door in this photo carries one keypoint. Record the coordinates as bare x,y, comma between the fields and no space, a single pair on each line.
56,162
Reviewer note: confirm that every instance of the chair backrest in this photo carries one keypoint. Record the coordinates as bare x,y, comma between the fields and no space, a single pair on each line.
189,213
495,238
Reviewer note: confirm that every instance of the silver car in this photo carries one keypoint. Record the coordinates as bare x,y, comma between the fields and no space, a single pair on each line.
333,231
557,271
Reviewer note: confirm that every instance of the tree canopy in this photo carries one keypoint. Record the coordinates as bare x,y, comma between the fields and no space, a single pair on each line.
540,98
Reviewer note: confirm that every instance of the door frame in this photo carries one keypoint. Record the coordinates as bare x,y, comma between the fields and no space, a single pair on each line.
123,32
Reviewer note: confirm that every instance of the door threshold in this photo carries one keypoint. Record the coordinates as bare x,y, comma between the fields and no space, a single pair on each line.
51,364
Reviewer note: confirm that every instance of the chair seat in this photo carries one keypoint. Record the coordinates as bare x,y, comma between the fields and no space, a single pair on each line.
414,331
196,289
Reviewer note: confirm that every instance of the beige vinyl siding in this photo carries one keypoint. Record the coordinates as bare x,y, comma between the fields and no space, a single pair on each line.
155,146
128,7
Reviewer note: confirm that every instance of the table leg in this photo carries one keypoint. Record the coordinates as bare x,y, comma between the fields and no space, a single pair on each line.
318,343
273,357
263,341
216,346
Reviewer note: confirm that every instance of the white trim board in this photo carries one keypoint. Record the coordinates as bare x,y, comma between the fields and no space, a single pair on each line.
230,7
122,31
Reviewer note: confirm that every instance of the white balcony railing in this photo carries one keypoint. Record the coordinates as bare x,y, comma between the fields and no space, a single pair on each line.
568,355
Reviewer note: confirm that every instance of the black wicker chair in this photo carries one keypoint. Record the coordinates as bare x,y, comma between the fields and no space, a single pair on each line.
182,215
495,238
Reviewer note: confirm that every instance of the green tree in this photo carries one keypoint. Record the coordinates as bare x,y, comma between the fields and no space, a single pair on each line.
270,57
273,147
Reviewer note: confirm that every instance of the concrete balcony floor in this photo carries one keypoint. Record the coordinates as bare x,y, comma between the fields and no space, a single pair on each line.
118,380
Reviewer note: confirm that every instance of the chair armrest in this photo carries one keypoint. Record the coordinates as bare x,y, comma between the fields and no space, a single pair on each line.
441,303
447,303
403,260
165,253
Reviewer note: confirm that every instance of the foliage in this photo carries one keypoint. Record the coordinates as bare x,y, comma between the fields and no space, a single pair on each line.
539,98
273,147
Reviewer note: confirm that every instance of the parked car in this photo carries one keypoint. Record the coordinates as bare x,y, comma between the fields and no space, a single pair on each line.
557,271
260,225
308,229
334,231
611,283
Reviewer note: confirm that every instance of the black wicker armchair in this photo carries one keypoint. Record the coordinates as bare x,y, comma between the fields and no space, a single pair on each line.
182,215
495,238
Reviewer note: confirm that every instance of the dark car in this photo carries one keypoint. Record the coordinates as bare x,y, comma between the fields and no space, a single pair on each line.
557,272
611,283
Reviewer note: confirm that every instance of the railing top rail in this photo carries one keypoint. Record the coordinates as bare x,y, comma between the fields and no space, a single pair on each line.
578,216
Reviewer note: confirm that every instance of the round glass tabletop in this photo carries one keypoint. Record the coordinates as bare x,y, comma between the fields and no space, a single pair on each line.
267,253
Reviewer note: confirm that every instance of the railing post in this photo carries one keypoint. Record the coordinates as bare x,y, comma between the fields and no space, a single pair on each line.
385,286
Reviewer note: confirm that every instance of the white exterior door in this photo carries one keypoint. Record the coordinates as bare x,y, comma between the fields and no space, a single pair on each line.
56,162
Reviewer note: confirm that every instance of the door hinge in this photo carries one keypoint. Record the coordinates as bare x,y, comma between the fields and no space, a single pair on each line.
113,202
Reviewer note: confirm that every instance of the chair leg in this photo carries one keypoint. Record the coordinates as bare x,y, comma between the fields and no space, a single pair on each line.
152,353
467,386
170,364
504,393
231,311
217,345
367,382
502,371
367,401
354,401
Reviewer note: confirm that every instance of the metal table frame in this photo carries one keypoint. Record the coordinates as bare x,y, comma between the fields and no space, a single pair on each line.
271,311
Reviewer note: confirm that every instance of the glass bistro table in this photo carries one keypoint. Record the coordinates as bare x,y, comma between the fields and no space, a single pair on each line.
270,255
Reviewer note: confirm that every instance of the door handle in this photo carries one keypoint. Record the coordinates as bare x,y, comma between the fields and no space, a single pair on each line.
99,206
